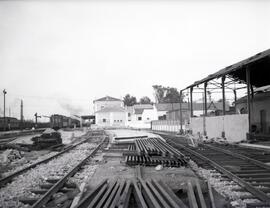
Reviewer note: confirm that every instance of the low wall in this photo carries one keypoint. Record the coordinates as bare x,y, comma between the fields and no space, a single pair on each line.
234,126
139,125
166,125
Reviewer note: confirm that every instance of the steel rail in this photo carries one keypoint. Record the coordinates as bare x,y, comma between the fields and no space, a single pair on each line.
165,194
124,200
138,195
89,197
9,178
56,187
243,157
256,192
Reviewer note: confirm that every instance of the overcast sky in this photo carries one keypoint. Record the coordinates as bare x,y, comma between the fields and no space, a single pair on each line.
58,56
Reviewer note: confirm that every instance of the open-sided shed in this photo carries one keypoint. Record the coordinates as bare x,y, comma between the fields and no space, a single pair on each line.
250,74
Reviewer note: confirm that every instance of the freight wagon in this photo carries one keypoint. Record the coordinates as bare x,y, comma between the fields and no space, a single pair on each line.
59,121
11,123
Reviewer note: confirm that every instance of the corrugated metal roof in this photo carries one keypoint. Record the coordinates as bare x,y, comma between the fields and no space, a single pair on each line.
232,70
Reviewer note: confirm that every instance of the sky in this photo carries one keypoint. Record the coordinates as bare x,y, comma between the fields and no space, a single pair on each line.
59,56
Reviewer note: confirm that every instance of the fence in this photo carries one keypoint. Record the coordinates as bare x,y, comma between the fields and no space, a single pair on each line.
166,125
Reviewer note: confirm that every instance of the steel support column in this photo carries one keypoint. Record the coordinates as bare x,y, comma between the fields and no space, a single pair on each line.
223,94
248,98
191,102
235,99
205,109
205,99
181,122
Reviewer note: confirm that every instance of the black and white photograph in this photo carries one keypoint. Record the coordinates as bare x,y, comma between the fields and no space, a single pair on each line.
134,104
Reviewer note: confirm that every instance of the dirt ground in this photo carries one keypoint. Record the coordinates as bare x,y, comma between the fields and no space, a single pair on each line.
112,166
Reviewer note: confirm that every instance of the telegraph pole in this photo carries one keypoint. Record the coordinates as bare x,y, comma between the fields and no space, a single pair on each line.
4,92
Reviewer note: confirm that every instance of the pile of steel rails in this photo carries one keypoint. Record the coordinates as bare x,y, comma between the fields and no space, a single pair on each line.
152,152
142,193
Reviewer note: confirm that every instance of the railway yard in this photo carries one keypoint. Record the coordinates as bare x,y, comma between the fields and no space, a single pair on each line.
134,104
129,168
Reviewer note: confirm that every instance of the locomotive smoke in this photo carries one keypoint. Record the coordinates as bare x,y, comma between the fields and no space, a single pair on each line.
70,108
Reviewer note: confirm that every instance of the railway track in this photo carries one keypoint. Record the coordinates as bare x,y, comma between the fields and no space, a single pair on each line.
260,155
56,185
251,175
7,140
9,178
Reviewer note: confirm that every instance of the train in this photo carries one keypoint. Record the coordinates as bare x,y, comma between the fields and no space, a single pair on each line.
15,124
59,121
56,122
11,123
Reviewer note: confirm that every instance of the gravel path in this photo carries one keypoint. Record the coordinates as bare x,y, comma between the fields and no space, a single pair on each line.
20,187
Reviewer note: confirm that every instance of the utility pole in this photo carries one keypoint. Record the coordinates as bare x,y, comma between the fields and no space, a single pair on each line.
21,114
4,92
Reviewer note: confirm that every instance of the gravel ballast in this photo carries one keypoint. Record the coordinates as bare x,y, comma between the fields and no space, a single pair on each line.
225,188
20,187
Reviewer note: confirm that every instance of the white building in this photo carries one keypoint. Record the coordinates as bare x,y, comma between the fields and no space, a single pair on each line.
141,115
109,111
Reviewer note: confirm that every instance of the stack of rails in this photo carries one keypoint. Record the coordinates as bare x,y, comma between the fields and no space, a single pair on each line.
152,152
128,193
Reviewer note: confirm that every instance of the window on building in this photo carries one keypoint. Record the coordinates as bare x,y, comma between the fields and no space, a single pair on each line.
129,114
104,120
148,118
139,118
120,120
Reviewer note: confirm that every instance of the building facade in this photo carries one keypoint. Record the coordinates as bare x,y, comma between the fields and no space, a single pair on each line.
260,111
109,112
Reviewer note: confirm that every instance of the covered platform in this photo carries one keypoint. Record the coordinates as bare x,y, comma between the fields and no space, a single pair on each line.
249,75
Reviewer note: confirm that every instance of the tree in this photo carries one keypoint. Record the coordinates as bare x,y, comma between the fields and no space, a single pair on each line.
129,100
159,93
166,94
145,100
172,95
